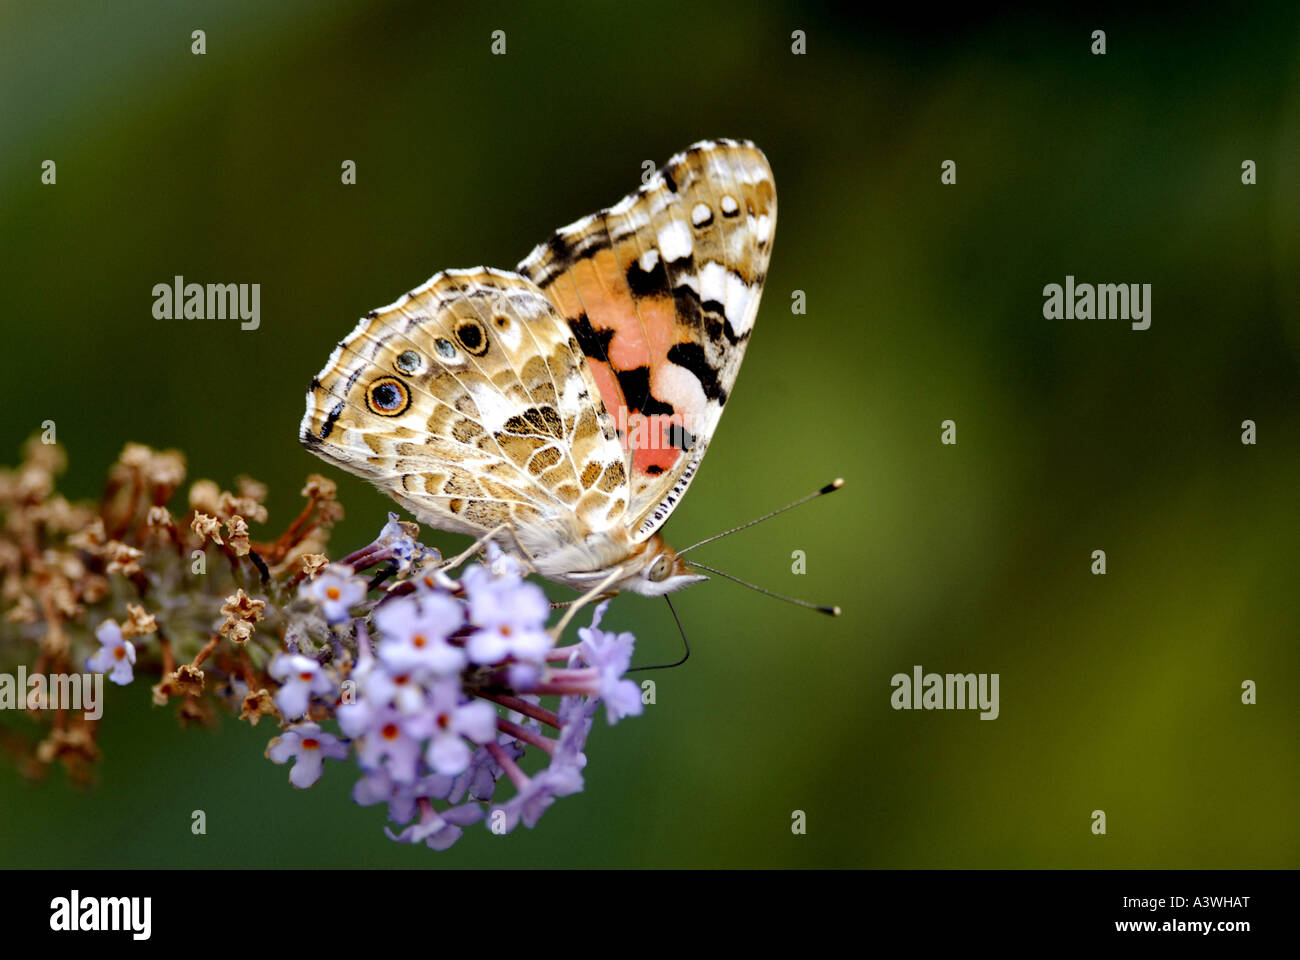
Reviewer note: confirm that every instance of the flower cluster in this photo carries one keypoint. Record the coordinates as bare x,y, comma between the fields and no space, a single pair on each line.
439,687
183,593
444,698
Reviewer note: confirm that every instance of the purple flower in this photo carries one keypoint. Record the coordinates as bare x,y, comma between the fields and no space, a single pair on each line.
378,787
575,715
401,690
435,581
438,830
115,655
525,676
503,564
479,780
536,796
400,544
299,677
453,722
355,718
310,746
392,741
510,616
334,589
611,655
415,634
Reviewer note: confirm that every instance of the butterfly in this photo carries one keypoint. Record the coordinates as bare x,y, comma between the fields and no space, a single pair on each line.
562,409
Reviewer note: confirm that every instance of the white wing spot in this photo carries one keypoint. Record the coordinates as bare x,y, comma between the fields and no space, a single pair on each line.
713,282
649,259
729,205
738,304
701,214
675,241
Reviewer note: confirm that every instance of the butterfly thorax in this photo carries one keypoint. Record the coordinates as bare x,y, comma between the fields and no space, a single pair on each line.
651,568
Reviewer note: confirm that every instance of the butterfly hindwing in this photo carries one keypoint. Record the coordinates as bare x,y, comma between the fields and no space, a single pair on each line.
660,292
469,401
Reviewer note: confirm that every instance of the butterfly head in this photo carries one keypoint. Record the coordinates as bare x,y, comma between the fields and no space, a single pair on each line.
657,569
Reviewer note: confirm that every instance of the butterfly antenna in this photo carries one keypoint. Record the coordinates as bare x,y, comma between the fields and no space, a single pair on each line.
829,488
820,608
685,643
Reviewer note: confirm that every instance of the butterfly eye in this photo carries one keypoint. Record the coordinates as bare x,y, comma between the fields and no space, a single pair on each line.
661,568
388,397
408,361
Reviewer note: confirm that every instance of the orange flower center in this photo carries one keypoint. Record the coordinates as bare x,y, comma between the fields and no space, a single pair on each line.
333,592
309,744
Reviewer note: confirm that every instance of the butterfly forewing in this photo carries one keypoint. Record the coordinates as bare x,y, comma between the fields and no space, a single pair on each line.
661,291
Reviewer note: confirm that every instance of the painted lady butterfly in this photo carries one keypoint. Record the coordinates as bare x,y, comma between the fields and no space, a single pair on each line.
562,410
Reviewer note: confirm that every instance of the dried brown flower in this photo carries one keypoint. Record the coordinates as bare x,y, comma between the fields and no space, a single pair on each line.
166,469
75,742
205,496
239,631
258,704
122,559
138,622
185,680
206,526
240,606
238,535
158,517
91,539
242,506
320,488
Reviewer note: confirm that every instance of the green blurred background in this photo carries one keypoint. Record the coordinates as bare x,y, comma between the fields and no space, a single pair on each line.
1119,692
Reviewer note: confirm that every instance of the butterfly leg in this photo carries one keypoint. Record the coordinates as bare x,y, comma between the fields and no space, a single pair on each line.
475,547
528,557
478,545
566,604
558,630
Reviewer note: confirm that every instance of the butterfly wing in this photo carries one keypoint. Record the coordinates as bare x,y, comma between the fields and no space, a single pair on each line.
660,292
469,402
